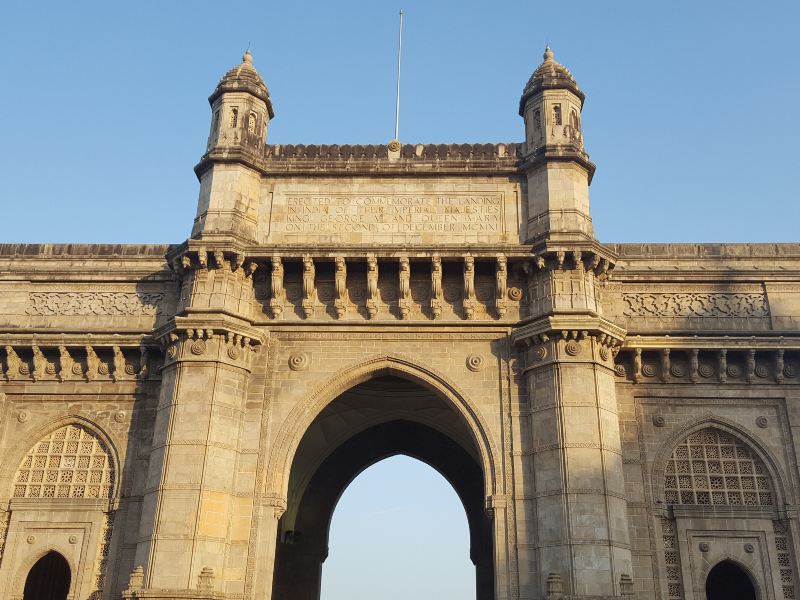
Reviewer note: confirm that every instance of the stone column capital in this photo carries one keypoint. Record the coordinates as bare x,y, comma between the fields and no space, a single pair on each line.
217,338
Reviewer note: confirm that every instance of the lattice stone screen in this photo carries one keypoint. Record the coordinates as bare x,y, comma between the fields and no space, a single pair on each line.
714,468
69,463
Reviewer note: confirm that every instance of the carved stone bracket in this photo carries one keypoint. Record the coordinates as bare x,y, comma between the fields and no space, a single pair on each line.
219,339
569,339
53,359
730,362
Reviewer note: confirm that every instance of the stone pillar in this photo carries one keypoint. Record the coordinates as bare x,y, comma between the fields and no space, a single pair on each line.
191,506
577,480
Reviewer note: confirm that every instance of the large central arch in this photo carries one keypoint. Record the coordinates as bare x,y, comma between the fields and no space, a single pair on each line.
384,414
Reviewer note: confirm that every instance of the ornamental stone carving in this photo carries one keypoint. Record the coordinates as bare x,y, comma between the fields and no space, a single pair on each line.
298,361
95,303
695,305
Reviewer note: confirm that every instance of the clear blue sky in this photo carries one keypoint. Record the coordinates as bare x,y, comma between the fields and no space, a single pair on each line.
690,117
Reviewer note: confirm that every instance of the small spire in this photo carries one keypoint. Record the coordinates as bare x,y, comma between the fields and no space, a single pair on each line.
548,54
248,57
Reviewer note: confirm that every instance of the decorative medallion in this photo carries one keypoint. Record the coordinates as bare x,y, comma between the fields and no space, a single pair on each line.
198,347
474,362
129,370
648,370
172,351
515,294
620,370
357,293
325,292
73,539
790,371
119,416
294,291
705,370
659,420
762,422
572,348
30,539
734,371
233,353
676,370
298,361
50,369
452,292
102,368
394,146
420,292
540,353
24,369
749,548
762,371
704,547
603,353
23,416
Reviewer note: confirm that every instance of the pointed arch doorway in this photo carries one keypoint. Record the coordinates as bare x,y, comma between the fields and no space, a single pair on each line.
48,579
728,581
385,416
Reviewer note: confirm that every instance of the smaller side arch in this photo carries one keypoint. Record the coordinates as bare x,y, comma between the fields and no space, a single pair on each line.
746,570
18,586
777,479
10,467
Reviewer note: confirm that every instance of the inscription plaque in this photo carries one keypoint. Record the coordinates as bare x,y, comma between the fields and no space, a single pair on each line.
373,216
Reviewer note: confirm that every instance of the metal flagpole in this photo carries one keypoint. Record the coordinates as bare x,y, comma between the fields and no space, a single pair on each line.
399,55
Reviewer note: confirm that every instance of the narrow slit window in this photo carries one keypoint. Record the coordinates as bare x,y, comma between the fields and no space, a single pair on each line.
234,121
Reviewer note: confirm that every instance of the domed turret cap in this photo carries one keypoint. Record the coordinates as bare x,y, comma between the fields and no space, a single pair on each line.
550,75
244,78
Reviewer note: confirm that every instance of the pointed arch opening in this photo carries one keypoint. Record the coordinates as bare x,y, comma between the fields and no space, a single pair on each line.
727,580
378,418
48,579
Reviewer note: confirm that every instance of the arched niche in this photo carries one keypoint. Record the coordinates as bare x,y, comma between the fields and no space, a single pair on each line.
49,578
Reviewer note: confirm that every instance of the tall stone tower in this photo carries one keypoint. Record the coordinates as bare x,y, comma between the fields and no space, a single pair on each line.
577,516
241,110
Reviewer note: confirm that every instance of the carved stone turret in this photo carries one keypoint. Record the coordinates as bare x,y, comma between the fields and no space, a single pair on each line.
557,168
240,113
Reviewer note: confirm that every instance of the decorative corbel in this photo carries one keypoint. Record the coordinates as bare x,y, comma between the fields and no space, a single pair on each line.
501,285
219,259
250,267
119,363
202,258
750,373
779,365
694,365
66,364
372,286
577,258
665,365
13,364
722,356
469,287
277,293
340,285
436,286
92,364
404,297
308,285
637,366
39,364
144,360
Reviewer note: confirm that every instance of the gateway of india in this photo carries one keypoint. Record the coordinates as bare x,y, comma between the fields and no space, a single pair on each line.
618,420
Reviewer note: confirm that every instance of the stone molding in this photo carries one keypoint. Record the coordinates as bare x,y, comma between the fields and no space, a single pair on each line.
133,304
695,304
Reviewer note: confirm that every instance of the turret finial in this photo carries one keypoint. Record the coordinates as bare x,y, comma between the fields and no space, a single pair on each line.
248,57
548,54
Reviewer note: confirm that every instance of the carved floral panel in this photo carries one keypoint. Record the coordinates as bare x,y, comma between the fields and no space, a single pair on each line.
95,303
695,304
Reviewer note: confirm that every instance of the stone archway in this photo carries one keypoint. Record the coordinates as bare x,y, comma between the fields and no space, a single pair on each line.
48,579
727,581
374,420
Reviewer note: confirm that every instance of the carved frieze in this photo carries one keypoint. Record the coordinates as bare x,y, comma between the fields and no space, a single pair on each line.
95,303
695,304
